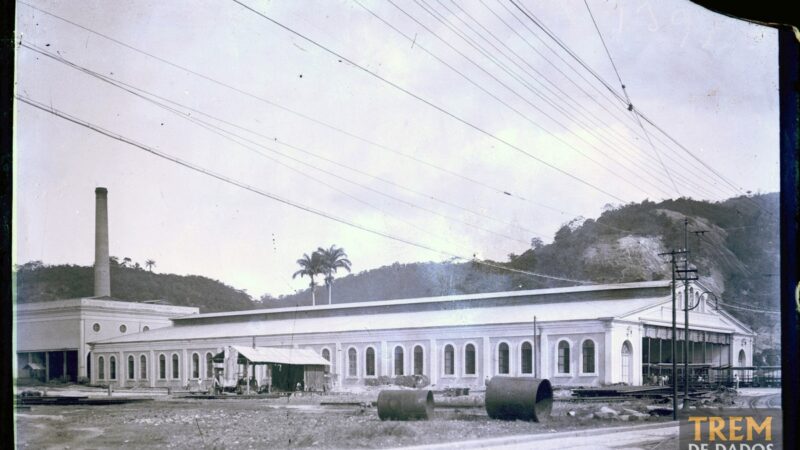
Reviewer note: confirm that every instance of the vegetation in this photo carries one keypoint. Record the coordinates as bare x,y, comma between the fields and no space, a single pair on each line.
333,258
37,282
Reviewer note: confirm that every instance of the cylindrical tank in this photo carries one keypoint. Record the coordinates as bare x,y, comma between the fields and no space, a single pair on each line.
509,398
405,405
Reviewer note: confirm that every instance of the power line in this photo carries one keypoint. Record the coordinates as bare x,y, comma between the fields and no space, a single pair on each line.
501,191
555,38
431,104
623,138
196,168
503,67
212,128
628,99
555,104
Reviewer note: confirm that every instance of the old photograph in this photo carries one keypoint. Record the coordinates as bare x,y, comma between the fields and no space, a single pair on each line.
395,224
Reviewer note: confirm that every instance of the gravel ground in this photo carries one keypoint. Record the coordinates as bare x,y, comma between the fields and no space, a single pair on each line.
271,423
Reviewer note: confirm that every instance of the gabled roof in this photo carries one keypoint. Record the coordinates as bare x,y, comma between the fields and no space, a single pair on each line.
441,300
615,302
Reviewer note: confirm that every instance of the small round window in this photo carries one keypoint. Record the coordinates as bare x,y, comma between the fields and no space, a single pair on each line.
123,328
145,328
96,327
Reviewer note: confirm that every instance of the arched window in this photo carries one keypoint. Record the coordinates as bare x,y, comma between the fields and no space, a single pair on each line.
418,360
143,367
101,368
112,368
587,356
176,370
742,358
162,367
526,357
398,360
352,362
469,359
327,355
449,360
502,358
563,357
131,367
370,362
209,365
195,365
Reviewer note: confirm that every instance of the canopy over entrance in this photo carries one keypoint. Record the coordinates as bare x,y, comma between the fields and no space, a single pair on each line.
272,355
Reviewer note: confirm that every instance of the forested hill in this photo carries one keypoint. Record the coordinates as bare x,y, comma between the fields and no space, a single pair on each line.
737,255
37,283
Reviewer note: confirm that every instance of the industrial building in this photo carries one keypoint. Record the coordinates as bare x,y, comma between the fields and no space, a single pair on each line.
588,335
585,335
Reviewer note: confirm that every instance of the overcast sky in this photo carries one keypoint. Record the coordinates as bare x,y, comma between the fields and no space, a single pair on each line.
709,81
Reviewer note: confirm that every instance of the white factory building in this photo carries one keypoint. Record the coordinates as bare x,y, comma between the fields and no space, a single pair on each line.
588,335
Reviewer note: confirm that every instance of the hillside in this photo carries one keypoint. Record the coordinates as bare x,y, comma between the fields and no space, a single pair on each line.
738,255
38,283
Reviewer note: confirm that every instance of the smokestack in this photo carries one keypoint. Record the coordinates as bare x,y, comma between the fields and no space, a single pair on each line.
102,272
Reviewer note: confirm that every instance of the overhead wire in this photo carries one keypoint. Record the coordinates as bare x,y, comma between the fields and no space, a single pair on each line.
129,88
199,169
526,12
505,192
431,104
554,103
628,99
611,112
477,47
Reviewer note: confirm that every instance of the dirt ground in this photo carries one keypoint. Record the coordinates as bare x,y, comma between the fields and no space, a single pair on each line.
170,422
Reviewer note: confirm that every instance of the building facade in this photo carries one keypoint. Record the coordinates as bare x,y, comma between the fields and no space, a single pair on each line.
576,336
51,338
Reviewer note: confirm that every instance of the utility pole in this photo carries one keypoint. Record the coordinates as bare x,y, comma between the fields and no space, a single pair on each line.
687,275
673,269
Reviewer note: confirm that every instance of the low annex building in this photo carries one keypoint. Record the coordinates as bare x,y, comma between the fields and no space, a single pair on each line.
587,335
52,337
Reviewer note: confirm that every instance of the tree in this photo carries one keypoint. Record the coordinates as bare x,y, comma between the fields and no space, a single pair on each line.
310,266
150,263
126,261
333,258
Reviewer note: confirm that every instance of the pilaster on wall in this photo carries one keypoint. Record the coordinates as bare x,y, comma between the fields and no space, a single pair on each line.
152,368
185,371
609,359
487,358
434,363
385,359
545,357
82,352
122,369
339,364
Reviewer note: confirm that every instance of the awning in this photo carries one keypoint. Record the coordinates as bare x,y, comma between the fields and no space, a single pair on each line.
33,366
273,355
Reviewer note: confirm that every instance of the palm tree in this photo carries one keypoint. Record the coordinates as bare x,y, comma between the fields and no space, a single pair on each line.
150,263
332,259
310,266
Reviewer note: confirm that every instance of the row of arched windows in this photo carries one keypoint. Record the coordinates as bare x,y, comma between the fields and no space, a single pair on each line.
162,367
587,357
449,360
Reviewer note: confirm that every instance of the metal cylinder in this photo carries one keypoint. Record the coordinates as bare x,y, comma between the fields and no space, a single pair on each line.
405,405
509,398
102,271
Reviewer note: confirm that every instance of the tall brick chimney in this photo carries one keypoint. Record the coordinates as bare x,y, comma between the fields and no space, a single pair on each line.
102,272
